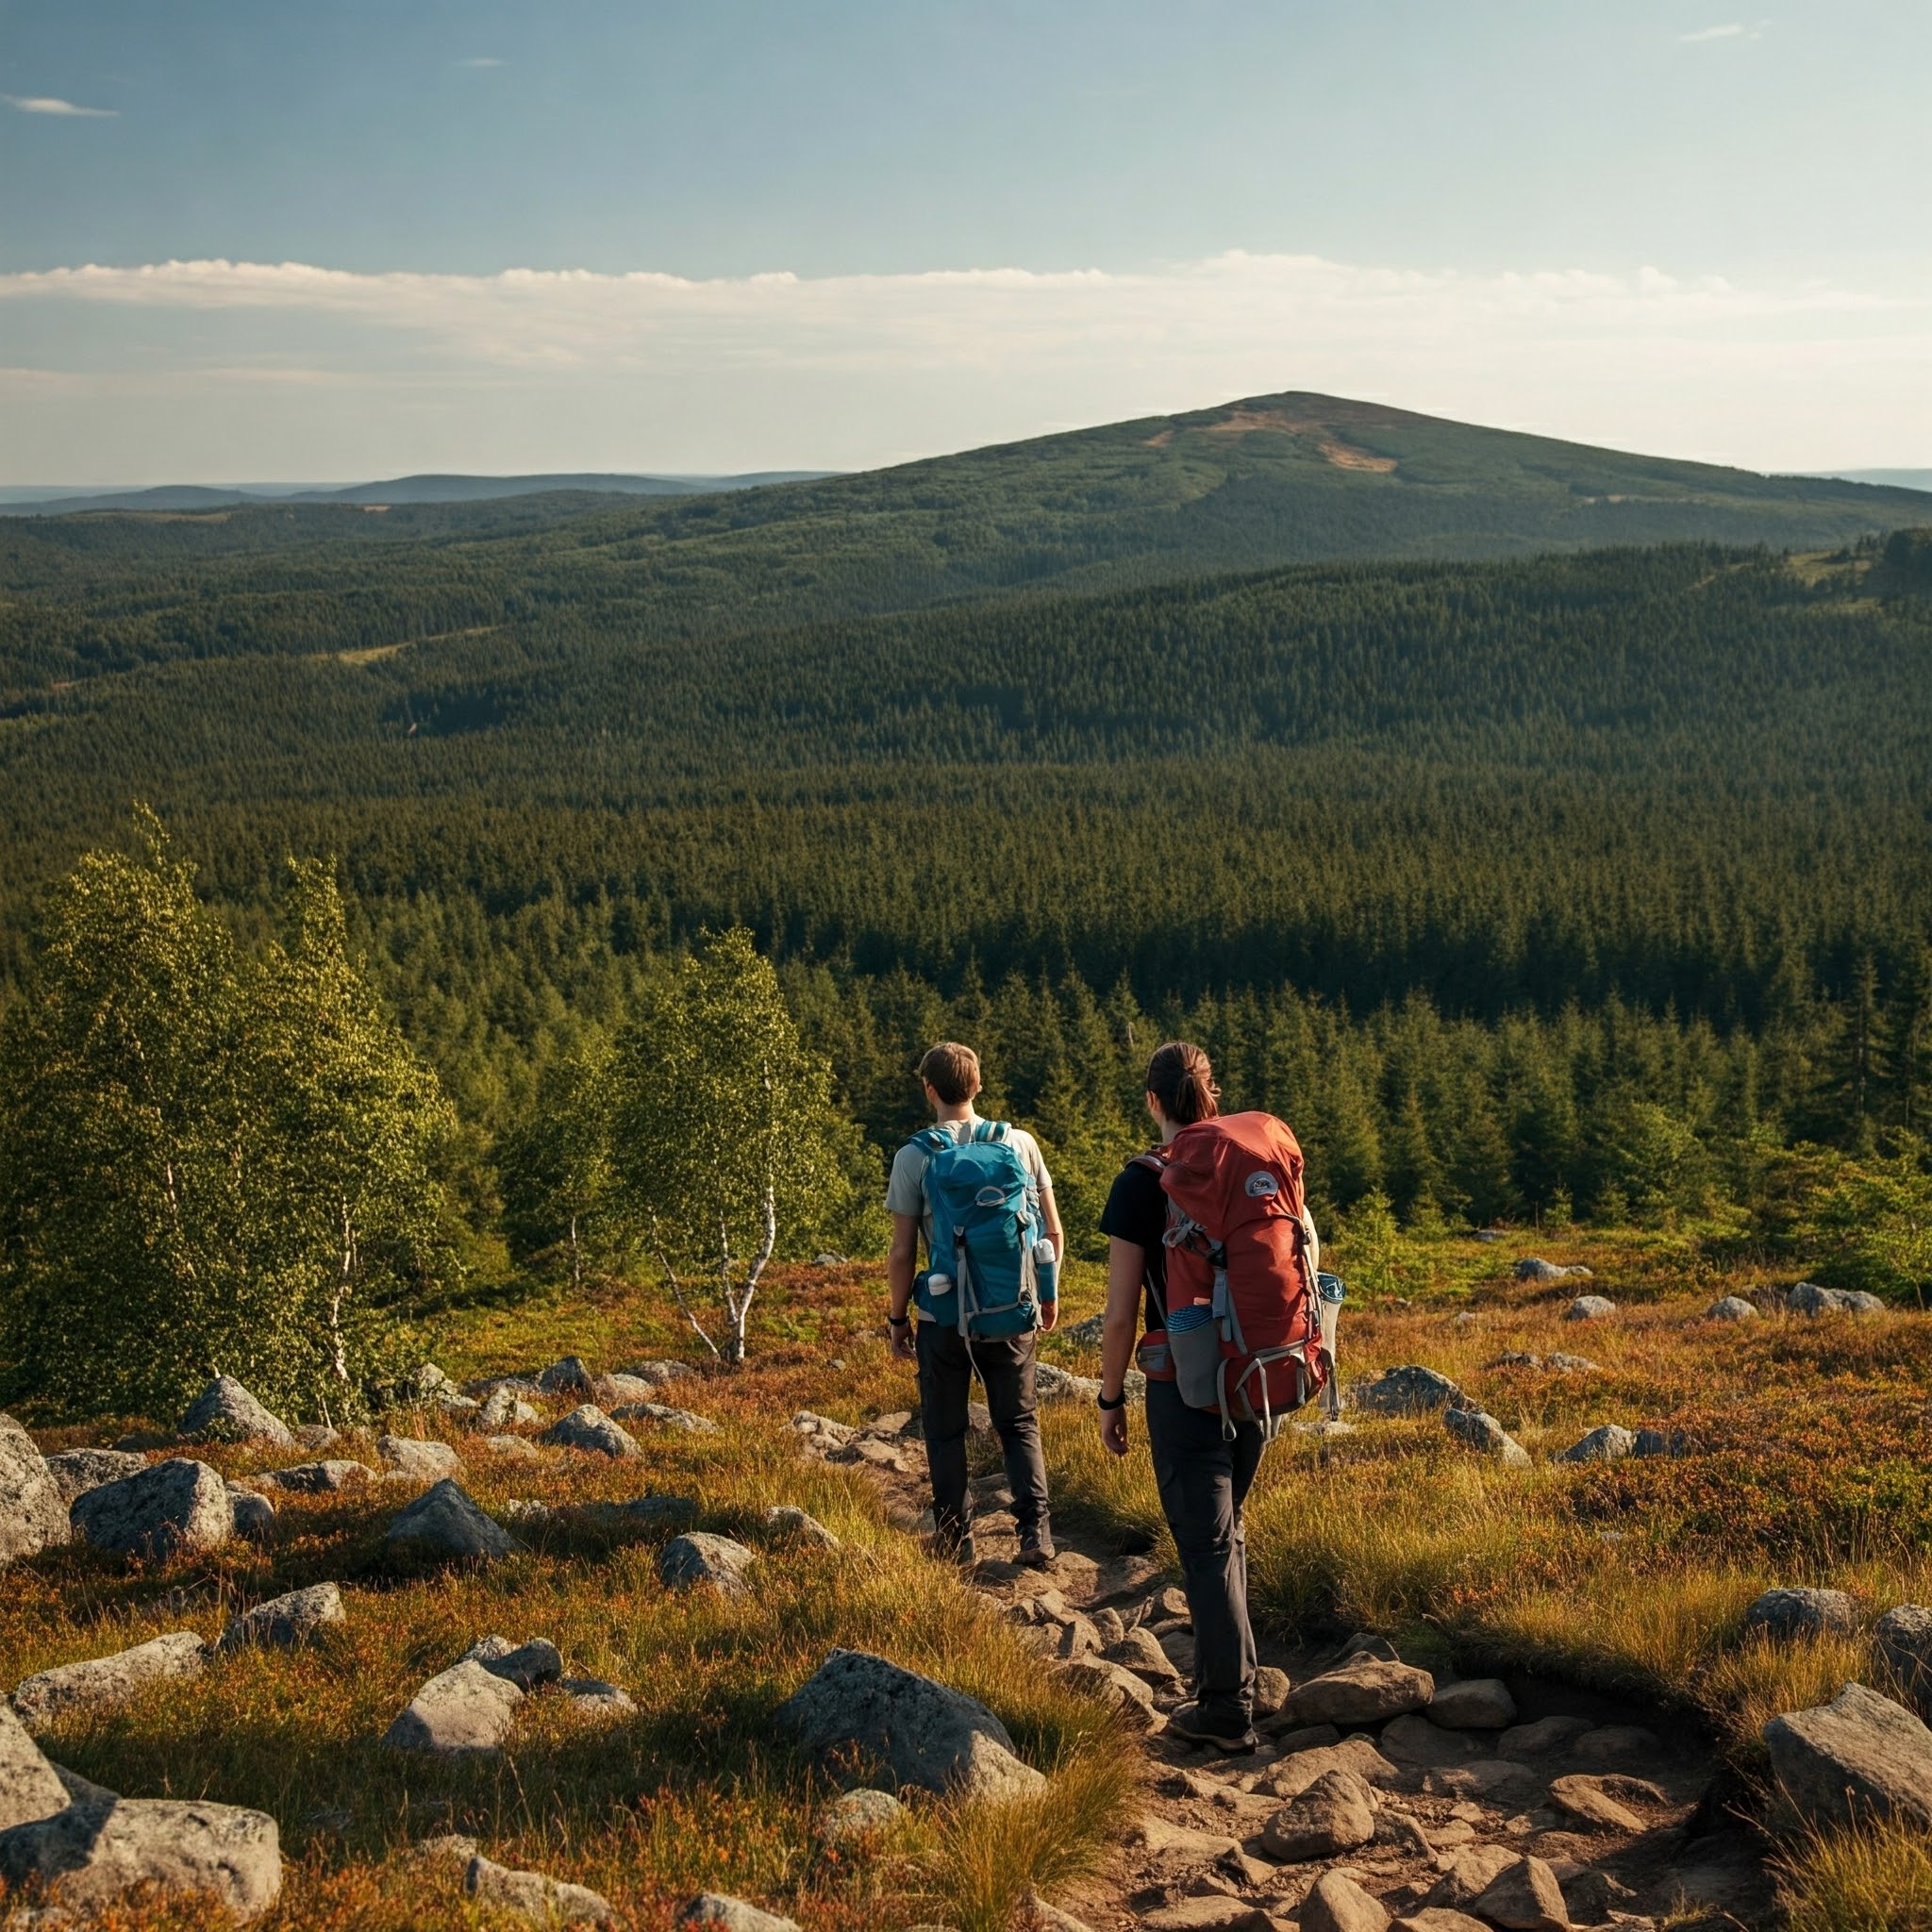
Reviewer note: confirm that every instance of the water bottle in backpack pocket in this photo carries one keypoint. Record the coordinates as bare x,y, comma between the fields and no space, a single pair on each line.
1193,1348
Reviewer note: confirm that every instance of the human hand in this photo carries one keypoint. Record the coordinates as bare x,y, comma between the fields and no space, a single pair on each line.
902,1342
1113,1430
1049,1314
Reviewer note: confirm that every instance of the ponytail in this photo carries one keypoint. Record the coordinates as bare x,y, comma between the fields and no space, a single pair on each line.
1181,1078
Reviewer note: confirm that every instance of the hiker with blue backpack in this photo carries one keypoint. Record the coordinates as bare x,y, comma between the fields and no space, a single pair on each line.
978,1195
1211,1248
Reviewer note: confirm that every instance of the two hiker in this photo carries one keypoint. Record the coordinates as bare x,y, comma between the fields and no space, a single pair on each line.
1210,1237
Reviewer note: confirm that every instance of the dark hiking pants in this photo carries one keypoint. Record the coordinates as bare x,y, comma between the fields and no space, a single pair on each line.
1204,1481
1005,1364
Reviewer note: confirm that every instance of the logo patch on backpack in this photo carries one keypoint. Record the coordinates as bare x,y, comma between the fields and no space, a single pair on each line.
989,1197
1261,1184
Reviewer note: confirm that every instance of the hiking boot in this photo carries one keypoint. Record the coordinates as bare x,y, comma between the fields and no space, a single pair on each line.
1185,1720
960,1551
1036,1548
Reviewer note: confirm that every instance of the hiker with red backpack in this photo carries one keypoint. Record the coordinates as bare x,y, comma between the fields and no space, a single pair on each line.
978,1193
1210,1237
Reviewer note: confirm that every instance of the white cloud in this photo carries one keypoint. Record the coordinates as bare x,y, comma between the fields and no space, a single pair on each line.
481,60
1733,30
48,104
565,369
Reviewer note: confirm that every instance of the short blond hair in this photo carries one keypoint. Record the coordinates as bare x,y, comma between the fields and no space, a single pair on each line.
951,1071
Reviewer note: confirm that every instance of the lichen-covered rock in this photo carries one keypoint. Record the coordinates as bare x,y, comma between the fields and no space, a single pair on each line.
1054,1384
856,1816
166,1509
94,1854
77,1470
698,1556
525,1665
661,1371
594,1697
253,1514
666,1417
587,1428
105,1683
1783,1614
1589,1308
1484,1433
463,1712
444,1523
1858,1759
1731,1308
1534,1268
421,1459
729,1914
1808,1298
1902,1638
548,1901
33,1512
286,1621
1409,1391
503,1408
225,1411
29,1786
1363,1691
923,1732
1607,1444
786,1522
567,1376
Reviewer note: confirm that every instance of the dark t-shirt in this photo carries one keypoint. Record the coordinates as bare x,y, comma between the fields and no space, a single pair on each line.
1137,1211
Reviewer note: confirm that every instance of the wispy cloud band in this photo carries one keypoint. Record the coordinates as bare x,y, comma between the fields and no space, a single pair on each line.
52,104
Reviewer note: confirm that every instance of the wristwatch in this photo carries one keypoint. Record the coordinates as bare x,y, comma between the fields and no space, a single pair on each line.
899,1320
1120,1401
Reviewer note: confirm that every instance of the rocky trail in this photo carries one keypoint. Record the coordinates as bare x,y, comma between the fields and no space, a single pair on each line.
1379,1793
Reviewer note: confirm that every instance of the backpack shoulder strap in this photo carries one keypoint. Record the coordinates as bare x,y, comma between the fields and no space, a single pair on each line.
992,1130
1155,1163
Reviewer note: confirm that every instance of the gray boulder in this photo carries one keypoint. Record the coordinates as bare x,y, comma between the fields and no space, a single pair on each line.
502,1409
666,1416
417,1458
698,1556
320,1478
29,1786
1482,1431
568,1377
105,1683
1808,1298
594,1697
607,1391
787,1523
98,1850
1574,1365
162,1511
1608,1443
1857,1759
1363,1691
314,1437
525,1665
463,1712
922,1732
549,1901
1334,1814
1054,1384
444,1523
1589,1308
1473,1703
225,1411
732,1915
589,1428
253,1514
662,1372
1783,1614
1409,1391
1731,1308
856,1816
821,1432
77,1470
286,1621
1903,1639
33,1512
519,1448
1534,1268
1087,1334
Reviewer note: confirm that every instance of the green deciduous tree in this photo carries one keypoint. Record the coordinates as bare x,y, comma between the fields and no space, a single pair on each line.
726,1146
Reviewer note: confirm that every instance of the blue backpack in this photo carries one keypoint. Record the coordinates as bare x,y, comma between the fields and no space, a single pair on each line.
985,1211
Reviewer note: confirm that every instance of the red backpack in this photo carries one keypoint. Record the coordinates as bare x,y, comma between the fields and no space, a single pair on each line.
1245,1332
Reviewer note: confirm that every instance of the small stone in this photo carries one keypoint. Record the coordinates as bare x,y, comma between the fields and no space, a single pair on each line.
1271,1687
500,1409
1660,1443
1593,1896
1858,1759
1608,1443
1589,1308
1783,1614
1731,1308
1483,1432
1141,1653
788,1521
1473,1703
225,1411
1575,1364
1613,1746
1114,1684
662,1372
106,1683
166,1509
568,1377
285,1621
1524,1897
587,1428
1332,1815
1534,1268
1356,1756
549,1901
1902,1638
594,1697
1305,1737
698,1556
667,1417
606,1391
418,1458
1471,1873
1493,1780
1338,1904
517,1448
1409,1391
77,1470
1413,1741
1107,1622
821,1431
253,1515
1438,1919
1363,1691
1585,1798
444,1522
1049,1918
525,1665
1208,1912
859,1816
319,1478
466,1710
731,1915
1054,1384
1517,1358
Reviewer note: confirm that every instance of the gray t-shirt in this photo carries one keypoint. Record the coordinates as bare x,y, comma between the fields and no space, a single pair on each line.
905,1190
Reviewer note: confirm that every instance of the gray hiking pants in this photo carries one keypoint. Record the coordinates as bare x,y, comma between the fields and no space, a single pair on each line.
1005,1364
1204,1481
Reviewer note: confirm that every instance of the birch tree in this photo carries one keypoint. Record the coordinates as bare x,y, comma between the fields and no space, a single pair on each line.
725,1144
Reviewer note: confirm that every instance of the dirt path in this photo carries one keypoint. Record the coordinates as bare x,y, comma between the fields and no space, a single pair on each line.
1451,1806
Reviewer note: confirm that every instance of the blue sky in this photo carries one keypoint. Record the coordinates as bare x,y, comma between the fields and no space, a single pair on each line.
806,234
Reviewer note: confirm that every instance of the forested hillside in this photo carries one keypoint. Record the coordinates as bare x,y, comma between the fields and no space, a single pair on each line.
1579,880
